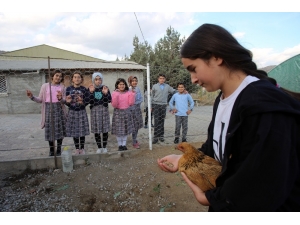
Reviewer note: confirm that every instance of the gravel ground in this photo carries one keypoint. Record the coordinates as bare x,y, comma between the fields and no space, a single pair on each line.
125,184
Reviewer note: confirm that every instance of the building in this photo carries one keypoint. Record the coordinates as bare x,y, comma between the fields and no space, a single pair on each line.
29,69
287,73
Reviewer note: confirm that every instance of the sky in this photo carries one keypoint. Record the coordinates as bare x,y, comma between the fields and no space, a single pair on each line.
273,35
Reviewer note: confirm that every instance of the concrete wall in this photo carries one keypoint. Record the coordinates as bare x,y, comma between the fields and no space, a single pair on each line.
16,101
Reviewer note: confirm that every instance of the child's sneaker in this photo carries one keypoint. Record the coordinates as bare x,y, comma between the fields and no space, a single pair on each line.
136,145
176,140
99,150
82,152
77,152
104,150
124,148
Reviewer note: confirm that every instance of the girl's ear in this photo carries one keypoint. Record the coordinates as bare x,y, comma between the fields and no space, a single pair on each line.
218,60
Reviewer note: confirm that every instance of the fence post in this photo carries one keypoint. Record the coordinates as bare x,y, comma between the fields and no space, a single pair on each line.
149,107
51,113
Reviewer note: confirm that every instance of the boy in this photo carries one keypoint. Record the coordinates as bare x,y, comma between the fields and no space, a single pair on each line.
159,102
184,105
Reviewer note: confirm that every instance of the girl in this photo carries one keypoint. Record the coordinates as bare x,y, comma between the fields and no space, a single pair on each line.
254,131
135,110
122,121
99,97
59,110
77,125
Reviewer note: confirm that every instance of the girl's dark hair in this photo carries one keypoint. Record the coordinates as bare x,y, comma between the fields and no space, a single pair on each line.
210,40
119,80
77,72
57,71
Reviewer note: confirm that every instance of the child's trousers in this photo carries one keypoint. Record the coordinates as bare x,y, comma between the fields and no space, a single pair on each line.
181,121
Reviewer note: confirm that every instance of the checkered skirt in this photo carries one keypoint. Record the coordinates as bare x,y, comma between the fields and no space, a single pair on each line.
100,119
77,124
122,122
137,116
59,122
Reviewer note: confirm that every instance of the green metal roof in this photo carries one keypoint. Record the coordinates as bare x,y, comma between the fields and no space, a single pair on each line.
287,74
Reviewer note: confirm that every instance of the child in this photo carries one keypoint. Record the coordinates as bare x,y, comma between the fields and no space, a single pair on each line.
59,111
146,110
254,132
184,105
159,100
77,121
122,121
135,110
99,97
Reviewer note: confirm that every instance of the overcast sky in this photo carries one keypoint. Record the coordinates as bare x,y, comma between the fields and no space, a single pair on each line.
272,37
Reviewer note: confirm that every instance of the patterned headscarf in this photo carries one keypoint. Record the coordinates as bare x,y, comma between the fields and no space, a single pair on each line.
130,79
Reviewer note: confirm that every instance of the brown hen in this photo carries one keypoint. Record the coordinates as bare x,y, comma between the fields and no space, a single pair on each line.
201,169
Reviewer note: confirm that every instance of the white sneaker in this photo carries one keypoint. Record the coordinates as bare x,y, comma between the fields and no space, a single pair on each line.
99,150
82,152
104,150
77,152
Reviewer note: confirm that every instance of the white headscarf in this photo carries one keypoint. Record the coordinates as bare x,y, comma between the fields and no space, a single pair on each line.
95,74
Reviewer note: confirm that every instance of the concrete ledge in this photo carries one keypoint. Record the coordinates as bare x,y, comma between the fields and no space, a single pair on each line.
19,166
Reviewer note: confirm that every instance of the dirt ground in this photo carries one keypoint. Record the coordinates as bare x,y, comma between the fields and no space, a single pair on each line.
125,184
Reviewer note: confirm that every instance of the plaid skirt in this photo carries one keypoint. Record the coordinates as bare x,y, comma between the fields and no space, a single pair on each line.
100,119
77,124
122,122
59,122
137,116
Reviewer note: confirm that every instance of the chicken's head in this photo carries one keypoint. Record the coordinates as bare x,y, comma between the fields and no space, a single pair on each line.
185,147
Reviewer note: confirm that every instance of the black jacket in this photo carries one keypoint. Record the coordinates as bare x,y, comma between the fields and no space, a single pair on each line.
261,166
82,92
98,98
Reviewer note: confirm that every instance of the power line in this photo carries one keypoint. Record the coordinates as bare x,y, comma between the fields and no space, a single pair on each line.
139,26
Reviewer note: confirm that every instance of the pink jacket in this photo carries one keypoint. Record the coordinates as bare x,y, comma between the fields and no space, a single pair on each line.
122,100
42,99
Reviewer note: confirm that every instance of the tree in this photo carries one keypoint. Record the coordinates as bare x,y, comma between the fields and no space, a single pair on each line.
164,58
168,60
142,52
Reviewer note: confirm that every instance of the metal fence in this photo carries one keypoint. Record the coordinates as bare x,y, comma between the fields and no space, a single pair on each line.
22,137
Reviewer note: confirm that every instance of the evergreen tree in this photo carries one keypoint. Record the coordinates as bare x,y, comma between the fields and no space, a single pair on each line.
142,52
164,58
168,60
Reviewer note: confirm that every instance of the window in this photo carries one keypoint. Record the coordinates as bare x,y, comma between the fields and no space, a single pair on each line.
3,86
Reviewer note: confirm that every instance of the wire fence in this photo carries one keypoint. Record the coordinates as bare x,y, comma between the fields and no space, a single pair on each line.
85,119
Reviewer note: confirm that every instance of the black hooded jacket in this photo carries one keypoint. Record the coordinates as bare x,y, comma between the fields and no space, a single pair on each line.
261,167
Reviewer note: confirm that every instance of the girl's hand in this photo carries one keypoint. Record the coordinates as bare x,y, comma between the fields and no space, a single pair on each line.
199,194
91,88
105,90
79,100
131,89
29,94
59,95
169,163
69,99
